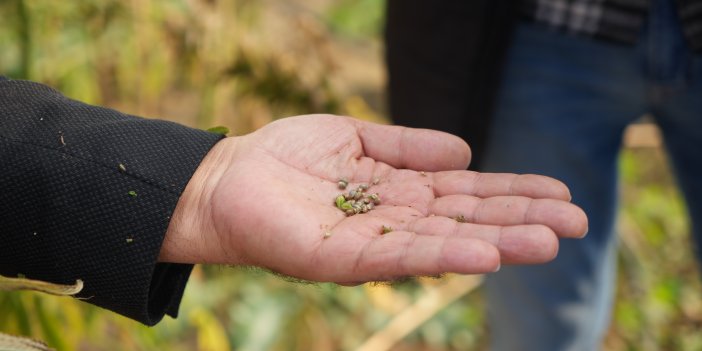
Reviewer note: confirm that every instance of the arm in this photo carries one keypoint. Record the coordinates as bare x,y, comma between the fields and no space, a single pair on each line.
93,192
66,211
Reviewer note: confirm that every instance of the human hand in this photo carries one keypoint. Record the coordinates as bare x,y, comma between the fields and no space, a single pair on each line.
267,199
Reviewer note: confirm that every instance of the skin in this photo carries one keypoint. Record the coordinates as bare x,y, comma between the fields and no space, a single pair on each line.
267,198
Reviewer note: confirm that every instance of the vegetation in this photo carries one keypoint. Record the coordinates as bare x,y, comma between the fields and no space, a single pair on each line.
243,63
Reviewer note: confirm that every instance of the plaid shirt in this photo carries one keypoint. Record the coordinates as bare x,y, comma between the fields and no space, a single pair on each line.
617,20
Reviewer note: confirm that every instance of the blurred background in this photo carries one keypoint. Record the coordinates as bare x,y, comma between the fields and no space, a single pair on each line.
244,63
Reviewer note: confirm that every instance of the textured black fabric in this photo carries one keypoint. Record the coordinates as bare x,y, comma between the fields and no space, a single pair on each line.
444,61
87,193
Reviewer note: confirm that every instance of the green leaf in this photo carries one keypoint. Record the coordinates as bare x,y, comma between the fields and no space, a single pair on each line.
50,326
219,130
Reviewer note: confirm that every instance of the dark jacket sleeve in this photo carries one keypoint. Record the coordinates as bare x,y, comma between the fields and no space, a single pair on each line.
444,60
87,193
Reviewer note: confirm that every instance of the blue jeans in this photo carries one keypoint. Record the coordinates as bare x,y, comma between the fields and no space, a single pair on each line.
563,106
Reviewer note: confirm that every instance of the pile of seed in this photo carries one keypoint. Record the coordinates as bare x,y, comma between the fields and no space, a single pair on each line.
356,201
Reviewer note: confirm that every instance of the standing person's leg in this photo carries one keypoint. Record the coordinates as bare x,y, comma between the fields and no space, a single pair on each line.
680,120
564,104
676,98
443,60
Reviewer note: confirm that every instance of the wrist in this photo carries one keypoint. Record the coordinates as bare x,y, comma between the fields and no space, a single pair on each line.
191,231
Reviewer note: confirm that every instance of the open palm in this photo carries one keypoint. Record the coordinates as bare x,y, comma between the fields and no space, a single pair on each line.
269,201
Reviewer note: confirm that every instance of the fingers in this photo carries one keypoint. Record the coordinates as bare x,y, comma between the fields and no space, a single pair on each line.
400,254
519,244
436,245
495,184
418,149
564,218
504,229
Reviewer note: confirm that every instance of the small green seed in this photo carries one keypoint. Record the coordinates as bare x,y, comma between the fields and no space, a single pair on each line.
339,201
386,229
357,201
132,193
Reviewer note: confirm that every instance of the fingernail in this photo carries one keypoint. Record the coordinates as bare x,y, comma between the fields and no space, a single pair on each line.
584,234
497,269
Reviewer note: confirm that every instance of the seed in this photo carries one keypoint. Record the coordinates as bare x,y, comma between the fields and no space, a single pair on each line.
385,230
423,174
375,198
460,218
327,234
132,193
357,201
122,167
376,181
343,183
339,200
